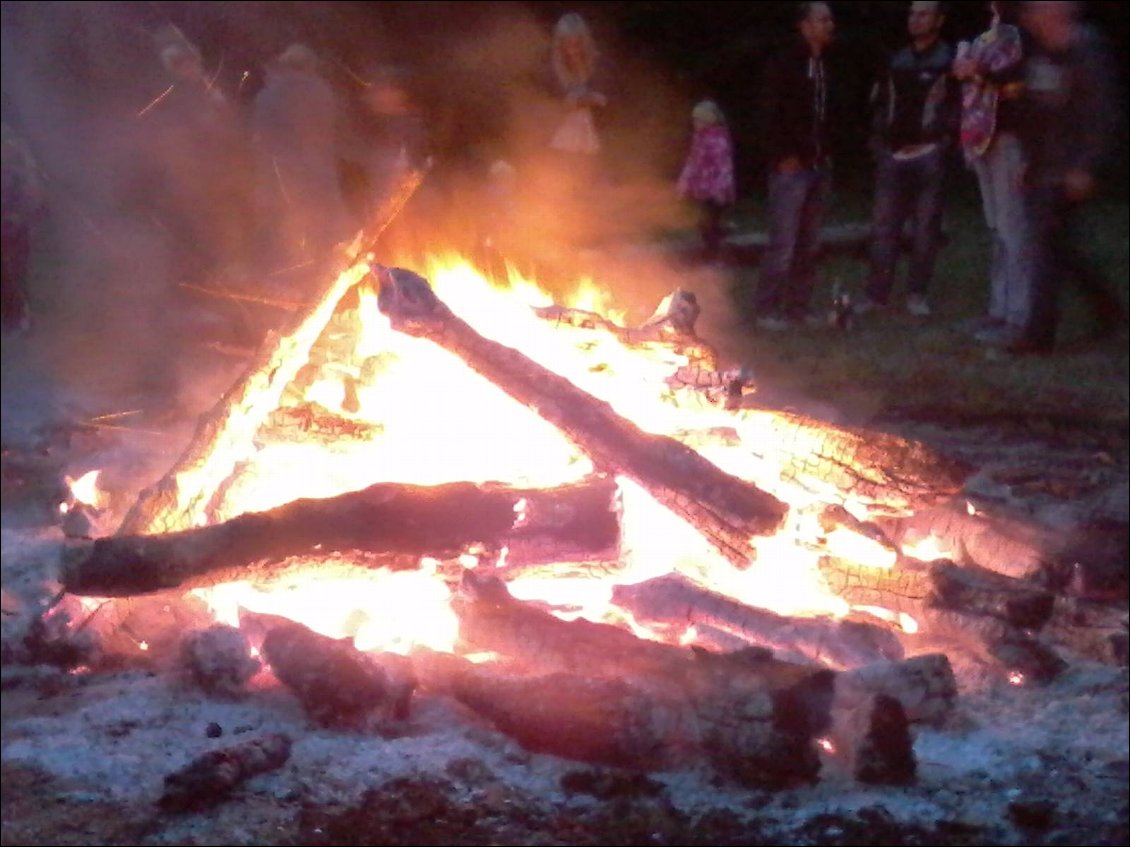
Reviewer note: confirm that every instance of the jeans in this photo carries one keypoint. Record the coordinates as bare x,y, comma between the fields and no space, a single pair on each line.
788,267
906,189
998,174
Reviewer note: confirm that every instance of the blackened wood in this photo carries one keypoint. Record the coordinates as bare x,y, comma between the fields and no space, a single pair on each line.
911,585
728,511
573,521
337,684
925,685
211,777
887,472
752,716
675,600
989,614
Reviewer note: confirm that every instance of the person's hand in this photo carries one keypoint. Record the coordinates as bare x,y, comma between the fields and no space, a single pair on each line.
1078,185
788,166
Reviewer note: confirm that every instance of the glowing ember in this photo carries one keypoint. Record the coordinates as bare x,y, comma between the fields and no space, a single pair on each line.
85,490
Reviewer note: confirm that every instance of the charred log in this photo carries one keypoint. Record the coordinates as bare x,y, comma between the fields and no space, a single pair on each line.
210,778
874,739
884,471
724,508
991,614
925,685
337,684
752,716
574,521
677,602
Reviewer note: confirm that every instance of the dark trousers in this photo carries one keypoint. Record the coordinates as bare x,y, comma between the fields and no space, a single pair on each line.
15,254
1058,259
797,202
906,190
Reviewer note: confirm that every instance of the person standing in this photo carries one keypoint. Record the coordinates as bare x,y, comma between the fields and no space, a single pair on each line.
916,113
990,71
707,176
795,100
196,157
296,121
24,203
1069,115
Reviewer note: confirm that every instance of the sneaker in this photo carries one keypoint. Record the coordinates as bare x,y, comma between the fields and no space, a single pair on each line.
772,323
916,305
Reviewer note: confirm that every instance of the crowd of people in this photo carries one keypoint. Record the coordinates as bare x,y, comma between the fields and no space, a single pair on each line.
258,186
1028,105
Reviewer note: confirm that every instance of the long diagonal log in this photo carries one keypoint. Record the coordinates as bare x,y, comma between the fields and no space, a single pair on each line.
224,436
727,510
574,520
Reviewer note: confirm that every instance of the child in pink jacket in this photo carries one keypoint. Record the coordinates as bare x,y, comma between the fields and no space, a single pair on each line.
707,177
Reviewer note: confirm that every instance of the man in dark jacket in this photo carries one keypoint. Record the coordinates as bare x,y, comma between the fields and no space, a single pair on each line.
1069,117
917,112
795,122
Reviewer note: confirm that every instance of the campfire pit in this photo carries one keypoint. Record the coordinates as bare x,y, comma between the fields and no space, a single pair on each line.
607,592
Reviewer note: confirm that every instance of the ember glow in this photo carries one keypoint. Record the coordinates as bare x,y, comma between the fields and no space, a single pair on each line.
85,490
417,414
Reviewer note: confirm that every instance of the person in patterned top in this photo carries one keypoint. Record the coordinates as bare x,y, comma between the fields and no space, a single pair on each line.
990,69
707,176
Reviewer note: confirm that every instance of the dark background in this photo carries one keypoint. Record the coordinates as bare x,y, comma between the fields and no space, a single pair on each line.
466,57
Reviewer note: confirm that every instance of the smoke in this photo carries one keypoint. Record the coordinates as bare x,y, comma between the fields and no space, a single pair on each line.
108,283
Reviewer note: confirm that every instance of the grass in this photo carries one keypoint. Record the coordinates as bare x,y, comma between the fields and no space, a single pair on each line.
896,364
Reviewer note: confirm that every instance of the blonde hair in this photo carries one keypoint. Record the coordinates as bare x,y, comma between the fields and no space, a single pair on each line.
708,112
572,26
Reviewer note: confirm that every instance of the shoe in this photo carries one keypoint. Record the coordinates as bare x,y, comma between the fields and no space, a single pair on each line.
916,305
772,323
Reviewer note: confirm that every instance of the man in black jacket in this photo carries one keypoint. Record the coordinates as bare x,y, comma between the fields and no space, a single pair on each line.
915,121
795,122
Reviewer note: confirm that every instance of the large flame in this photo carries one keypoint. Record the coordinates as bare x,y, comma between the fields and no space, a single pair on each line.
437,421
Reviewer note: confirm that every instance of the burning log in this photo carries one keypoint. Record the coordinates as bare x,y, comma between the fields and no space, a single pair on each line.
337,684
753,717
758,738
884,471
676,601
990,613
210,778
577,521
727,510
224,437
